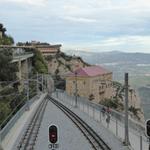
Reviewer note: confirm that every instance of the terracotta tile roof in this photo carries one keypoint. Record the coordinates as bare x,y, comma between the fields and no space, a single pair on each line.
90,71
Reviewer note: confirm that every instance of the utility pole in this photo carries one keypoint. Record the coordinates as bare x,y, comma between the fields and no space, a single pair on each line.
37,83
28,90
45,82
42,83
149,143
0,139
126,140
76,89
45,76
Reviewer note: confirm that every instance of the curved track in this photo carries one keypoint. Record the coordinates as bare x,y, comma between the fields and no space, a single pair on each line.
29,138
94,139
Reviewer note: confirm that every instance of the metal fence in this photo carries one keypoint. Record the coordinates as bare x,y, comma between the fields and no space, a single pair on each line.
14,119
137,136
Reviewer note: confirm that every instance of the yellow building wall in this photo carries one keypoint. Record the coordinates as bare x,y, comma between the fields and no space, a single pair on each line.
82,86
99,86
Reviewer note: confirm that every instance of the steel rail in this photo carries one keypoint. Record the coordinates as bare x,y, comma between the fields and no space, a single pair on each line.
94,139
29,138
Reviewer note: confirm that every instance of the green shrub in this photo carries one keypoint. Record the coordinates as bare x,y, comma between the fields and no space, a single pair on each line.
112,103
49,57
56,71
6,40
7,69
68,66
39,63
134,110
91,97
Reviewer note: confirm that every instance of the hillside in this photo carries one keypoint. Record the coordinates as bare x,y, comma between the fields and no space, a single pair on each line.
112,57
136,64
61,64
144,93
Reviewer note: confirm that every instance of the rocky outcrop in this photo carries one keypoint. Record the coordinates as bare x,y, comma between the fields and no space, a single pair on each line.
135,106
61,64
135,109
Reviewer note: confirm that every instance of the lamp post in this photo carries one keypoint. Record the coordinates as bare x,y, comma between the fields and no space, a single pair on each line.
75,89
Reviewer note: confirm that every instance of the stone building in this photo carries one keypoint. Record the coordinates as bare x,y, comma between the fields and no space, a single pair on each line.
48,49
94,83
45,48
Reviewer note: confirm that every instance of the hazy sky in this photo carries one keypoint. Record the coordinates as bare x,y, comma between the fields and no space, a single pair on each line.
92,25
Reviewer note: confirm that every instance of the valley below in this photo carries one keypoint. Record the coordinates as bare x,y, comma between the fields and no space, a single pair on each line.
136,64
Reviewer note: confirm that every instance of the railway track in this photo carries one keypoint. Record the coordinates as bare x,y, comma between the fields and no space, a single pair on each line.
28,140
93,138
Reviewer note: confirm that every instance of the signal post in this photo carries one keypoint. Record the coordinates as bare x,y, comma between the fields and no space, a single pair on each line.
53,137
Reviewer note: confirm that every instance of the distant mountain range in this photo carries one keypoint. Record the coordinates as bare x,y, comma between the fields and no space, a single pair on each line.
136,64
112,57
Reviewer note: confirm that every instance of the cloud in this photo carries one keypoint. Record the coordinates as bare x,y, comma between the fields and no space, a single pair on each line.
71,8
123,43
102,24
28,2
80,19
126,40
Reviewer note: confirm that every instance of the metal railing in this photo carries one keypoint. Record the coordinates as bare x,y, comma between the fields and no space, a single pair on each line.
137,138
22,56
4,131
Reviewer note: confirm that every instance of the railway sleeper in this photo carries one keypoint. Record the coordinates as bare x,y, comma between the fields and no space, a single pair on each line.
29,147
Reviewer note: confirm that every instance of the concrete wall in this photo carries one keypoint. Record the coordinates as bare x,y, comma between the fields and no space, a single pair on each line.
1,34
24,68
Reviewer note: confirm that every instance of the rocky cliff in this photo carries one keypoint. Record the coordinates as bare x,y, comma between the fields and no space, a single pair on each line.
61,64
135,109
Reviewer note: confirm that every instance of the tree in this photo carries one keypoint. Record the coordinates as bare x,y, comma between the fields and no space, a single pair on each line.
39,62
91,97
2,29
7,69
5,39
